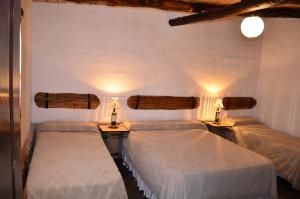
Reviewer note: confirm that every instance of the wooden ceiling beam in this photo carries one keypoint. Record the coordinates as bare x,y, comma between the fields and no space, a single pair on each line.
276,12
170,5
185,6
245,6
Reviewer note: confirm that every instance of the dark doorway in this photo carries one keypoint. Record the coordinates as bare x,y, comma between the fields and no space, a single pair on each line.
10,161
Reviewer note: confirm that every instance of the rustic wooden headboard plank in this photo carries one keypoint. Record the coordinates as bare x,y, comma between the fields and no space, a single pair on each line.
66,100
234,103
147,102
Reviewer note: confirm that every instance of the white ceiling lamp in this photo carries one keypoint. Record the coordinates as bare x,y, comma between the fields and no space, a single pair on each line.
252,27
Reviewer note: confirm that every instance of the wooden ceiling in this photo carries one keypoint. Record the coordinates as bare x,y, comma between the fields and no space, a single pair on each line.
203,10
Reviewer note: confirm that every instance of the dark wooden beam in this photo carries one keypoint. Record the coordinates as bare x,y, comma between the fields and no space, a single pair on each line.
243,7
170,5
276,12
185,6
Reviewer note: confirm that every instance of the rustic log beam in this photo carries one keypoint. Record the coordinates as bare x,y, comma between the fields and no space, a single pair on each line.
185,6
235,103
243,7
66,100
147,102
276,12
170,5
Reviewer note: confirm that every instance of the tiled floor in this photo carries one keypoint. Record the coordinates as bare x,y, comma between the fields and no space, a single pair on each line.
284,189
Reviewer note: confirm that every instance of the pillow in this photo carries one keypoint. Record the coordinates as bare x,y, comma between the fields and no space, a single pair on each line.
64,126
164,125
239,121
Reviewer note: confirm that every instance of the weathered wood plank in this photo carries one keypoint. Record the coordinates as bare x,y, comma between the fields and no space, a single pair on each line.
234,103
162,102
66,100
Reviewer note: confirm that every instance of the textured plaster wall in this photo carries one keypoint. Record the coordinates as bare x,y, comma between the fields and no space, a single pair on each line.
127,51
278,91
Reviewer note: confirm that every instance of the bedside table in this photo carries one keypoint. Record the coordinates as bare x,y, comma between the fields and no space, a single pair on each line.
113,138
221,129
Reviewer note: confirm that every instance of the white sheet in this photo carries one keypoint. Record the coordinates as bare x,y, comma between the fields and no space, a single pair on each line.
281,148
76,165
188,164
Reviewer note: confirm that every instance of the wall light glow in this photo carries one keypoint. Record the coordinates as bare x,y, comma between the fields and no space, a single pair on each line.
213,89
118,82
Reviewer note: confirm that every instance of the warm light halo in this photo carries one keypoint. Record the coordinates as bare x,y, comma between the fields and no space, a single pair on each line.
252,27
213,89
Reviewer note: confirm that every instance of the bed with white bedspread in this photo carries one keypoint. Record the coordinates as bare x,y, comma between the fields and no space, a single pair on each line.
182,160
281,148
70,161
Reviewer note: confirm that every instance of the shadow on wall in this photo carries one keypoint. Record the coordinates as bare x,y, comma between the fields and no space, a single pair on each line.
279,98
278,93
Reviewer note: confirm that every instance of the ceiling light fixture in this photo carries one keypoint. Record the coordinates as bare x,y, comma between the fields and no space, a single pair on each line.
252,27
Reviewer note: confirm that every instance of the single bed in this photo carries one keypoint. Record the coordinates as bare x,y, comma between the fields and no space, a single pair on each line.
182,160
281,148
70,161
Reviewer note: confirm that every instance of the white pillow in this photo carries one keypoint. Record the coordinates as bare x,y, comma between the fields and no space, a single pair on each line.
242,120
164,125
66,126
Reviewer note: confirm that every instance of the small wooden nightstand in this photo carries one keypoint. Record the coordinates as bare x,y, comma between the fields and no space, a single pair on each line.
113,138
221,129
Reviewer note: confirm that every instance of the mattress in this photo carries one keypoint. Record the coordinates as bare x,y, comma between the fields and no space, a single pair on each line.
281,148
73,165
194,163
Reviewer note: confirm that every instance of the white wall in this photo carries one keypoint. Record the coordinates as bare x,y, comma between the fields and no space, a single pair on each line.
278,91
127,51
26,71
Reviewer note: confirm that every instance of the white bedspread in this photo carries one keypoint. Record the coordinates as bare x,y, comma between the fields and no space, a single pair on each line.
281,148
190,164
76,165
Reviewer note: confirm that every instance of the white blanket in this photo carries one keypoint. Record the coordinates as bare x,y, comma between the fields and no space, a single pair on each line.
190,164
281,148
73,165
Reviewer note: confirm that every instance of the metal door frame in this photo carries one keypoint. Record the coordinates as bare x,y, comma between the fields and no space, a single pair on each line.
10,146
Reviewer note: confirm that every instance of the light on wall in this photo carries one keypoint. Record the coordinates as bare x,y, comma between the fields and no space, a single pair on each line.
213,89
252,27
116,82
